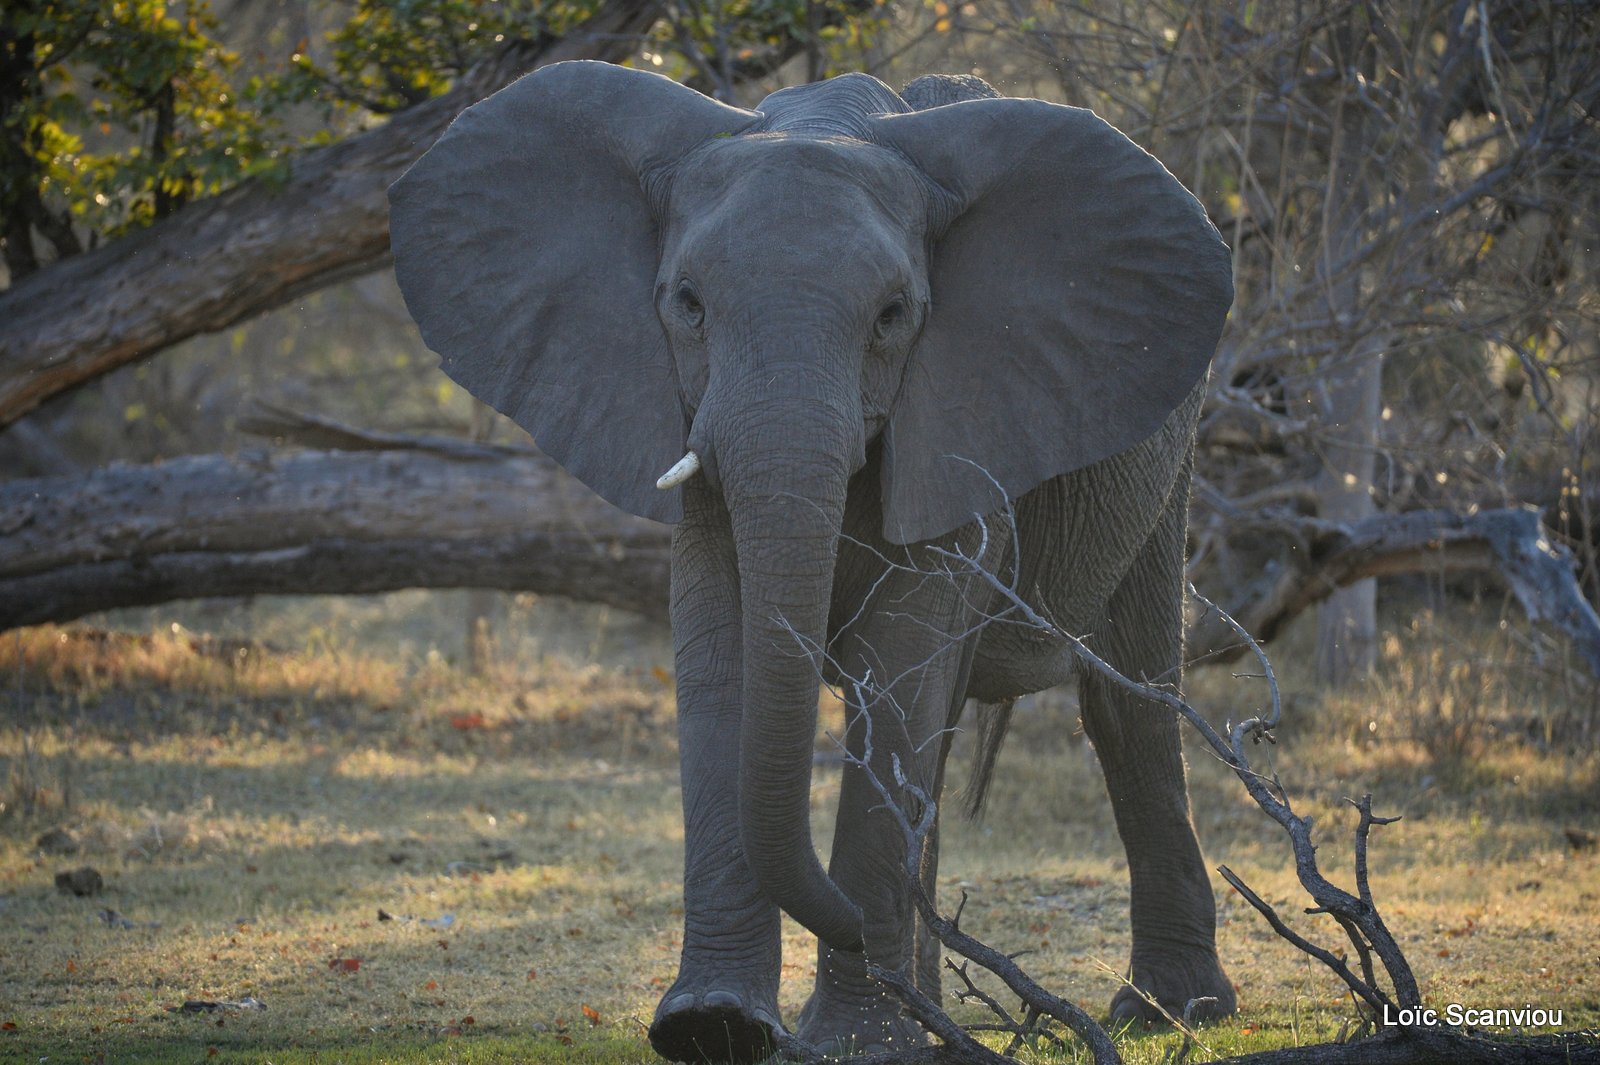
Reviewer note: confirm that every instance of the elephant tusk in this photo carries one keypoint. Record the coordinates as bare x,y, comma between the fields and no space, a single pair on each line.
681,471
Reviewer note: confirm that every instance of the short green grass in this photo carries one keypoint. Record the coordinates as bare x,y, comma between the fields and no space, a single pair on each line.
252,809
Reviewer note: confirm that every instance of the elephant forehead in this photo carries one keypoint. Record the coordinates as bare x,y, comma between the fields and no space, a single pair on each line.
840,214
776,178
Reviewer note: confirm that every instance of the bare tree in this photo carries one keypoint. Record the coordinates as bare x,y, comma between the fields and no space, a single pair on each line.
1410,189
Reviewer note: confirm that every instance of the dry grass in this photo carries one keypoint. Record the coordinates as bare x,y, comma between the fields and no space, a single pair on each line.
252,810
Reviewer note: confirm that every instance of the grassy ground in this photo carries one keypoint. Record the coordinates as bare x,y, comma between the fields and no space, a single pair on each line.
252,809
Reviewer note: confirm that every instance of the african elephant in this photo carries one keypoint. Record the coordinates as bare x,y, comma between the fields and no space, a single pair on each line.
846,326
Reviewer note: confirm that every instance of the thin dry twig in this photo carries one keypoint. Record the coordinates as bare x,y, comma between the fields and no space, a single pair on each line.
1025,1032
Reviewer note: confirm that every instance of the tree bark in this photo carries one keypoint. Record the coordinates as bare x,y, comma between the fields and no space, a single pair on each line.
320,522
254,247
1347,621
1426,1046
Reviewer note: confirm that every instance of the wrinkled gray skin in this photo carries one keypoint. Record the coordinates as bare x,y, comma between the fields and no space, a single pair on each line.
867,317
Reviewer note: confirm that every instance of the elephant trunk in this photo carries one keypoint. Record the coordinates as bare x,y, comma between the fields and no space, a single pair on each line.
784,480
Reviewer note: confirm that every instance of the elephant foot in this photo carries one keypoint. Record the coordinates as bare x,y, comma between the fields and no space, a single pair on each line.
1174,981
715,1025
871,1024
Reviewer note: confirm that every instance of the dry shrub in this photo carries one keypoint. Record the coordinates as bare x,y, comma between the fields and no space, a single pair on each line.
1446,705
35,786
1453,693
547,706
148,833
89,661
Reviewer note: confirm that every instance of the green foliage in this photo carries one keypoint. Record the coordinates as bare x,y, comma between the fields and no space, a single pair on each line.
393,54
115,112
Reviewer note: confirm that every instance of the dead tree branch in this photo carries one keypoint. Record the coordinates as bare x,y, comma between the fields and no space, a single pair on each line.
1358,916
282,425
1398,1040
1030,1029
1511,541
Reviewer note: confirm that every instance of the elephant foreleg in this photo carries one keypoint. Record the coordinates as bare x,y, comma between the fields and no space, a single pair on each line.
724,1004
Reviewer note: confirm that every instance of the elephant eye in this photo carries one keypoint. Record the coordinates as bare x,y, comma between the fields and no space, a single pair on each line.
689,303
888,318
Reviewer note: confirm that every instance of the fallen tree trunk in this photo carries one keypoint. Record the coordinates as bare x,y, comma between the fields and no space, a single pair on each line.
320,522
1330,555
385,511
258,245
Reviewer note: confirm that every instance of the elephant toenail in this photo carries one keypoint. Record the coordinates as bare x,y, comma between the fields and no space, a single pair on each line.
722,998
678,1002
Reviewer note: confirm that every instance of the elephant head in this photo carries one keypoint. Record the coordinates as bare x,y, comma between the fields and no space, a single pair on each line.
996,291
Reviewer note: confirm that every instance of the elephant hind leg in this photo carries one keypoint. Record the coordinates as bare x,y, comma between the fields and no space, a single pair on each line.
1173,913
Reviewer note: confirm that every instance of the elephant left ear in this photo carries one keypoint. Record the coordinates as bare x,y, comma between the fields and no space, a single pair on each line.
1078,291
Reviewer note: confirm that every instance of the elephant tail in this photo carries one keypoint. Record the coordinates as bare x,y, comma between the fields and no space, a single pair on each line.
993,721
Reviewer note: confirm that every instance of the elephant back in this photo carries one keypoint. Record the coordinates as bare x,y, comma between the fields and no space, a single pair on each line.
937,90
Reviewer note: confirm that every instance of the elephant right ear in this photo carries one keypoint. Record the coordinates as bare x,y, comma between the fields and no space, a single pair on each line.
526,247
1078,292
